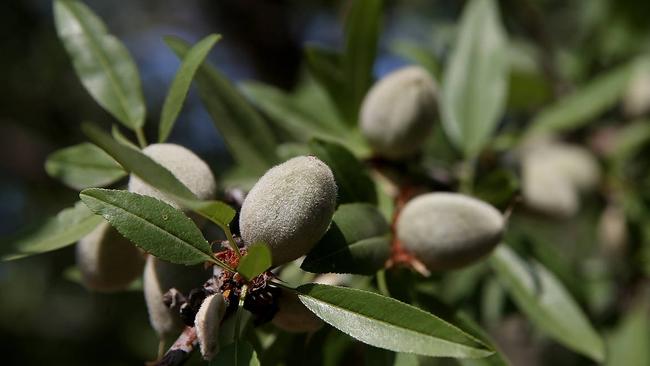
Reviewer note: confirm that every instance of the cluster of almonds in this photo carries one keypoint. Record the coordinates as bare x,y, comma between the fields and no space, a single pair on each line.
442,230
291,207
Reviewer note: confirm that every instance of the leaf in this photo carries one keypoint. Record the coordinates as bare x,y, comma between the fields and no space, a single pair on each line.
255,262
284,111
242,354
119,137
68,226
159,177
387,323
181,84
325,66
215,211
628,344
362,29
82,166
416,53
586,103
476,78
546,302
101,61
138,163
151,224
358,241
248,137
350,174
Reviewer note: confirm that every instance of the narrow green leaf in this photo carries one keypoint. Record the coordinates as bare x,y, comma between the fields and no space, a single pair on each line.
56,232
159,177
351,175
150,224
119,137
241,355
416,53
287,114
475,80
256,261
468,325
546,302
181,84
326,68
628,343
247,135
586,103
387,323
103,64
362,29
138,163
215,211
358,241
82,166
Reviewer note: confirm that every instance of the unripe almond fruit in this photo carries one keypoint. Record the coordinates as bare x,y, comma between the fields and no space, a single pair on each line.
159,277
186,167
553,175
574,162
107,260
548,192
290,208
398,112
449,230
207,323
293,316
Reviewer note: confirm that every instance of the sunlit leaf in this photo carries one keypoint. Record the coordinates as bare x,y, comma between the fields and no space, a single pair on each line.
475,80
56,232
151,224
387,323
256,261
547,303
159,177
181,84
103,64
82,166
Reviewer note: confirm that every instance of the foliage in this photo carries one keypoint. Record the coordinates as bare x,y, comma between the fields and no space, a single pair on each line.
543,271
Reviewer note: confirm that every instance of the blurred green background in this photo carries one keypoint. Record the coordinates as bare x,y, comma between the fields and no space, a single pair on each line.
48,319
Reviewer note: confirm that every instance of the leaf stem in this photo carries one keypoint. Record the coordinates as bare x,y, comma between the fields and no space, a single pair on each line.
242,298
231,240
223,265
381,283
142,140
467,175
